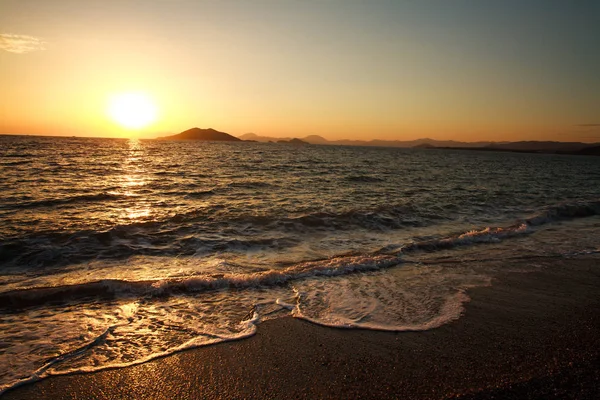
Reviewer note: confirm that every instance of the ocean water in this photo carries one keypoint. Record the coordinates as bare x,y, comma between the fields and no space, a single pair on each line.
114,252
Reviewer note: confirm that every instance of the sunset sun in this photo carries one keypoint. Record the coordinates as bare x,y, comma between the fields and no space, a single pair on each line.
132,110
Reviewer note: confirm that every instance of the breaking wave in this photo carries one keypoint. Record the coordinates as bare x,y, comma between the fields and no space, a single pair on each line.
111,288
184,233
580,209
342,265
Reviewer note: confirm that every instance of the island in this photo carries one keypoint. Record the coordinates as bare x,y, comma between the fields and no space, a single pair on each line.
209,134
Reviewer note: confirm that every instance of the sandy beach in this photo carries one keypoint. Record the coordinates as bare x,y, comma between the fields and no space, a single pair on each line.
529,335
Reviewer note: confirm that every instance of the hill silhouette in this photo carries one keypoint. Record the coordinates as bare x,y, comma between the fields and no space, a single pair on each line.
203,134
316,139
293,141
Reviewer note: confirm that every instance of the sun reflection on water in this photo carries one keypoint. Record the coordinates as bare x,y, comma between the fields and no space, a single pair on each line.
132,182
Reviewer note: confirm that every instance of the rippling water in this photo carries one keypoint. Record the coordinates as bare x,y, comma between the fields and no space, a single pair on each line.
116,251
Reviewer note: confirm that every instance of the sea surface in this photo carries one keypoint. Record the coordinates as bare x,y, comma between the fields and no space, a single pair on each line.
114,252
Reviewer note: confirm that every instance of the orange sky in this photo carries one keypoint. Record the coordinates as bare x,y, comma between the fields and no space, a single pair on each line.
339,69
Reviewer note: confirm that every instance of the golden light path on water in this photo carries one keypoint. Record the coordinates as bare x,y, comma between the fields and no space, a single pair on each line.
131,182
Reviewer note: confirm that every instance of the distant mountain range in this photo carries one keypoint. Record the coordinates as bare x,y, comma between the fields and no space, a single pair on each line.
524,146
316,139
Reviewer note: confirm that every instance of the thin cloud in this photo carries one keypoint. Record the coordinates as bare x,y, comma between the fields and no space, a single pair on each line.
589,125
20,44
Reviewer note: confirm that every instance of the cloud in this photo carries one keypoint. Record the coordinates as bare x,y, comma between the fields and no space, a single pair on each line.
589,125
20,44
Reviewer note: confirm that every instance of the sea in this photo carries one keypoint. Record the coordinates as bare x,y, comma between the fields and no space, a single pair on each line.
114,252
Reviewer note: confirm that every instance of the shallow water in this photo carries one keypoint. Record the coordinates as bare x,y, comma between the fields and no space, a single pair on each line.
113,252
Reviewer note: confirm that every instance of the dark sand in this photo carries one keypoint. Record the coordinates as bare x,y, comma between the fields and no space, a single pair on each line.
534,335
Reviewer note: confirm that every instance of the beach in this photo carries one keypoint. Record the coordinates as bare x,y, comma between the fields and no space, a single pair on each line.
529,335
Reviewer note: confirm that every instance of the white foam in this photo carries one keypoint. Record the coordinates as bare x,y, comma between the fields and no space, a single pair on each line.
287,306
411,298
486,235
85,339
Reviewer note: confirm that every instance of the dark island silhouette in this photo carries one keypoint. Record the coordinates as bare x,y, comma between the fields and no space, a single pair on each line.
209,134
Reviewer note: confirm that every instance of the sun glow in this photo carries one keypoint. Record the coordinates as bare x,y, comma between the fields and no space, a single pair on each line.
132,110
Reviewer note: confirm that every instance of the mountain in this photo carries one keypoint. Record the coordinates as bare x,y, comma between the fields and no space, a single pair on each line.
293,141
258,138
425,142
203,134
250,136
311,139
316,139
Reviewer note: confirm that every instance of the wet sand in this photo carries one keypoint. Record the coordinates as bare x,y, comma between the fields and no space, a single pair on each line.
530,335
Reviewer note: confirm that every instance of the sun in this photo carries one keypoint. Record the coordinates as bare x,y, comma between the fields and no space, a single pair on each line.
132,110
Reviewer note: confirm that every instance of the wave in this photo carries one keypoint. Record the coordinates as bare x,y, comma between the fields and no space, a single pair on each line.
86,198
190,194
122,242
580,209
363,179
188,233
486,235
393,216
250,184
115,288
13,163
19,155
199,194
547,215
383,258
378,219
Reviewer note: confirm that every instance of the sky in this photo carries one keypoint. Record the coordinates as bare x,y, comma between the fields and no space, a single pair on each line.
343,69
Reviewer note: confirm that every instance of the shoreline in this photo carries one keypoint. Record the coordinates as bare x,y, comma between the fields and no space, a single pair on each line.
529,335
